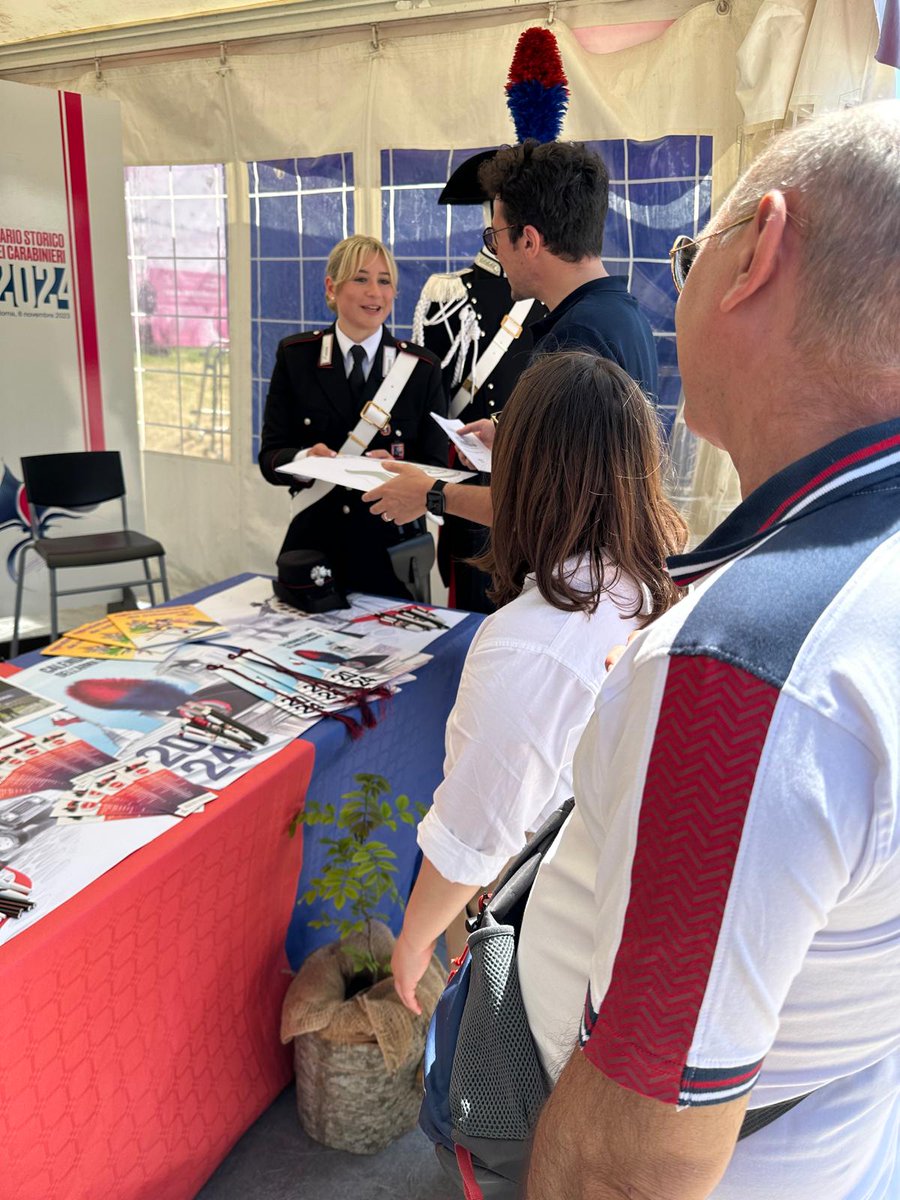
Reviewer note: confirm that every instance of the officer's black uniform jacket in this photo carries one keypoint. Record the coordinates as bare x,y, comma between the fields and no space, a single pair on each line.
488,294
309,401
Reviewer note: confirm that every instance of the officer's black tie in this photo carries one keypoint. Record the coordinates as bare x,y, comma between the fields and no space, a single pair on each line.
357,378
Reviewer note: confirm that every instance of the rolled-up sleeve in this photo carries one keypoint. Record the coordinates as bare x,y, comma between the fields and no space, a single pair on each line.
510,740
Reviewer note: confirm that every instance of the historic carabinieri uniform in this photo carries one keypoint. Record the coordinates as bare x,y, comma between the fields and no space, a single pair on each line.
459,315
738,811
310,400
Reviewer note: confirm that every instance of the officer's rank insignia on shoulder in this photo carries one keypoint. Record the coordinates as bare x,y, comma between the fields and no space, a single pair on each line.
296,338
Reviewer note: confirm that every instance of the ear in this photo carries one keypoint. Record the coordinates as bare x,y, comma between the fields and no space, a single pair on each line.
329,288
531,239
759,259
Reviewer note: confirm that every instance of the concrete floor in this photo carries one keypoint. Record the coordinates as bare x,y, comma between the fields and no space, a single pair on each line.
275,1160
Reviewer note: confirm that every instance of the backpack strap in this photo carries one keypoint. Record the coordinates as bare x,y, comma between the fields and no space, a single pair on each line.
758,1118
471,1187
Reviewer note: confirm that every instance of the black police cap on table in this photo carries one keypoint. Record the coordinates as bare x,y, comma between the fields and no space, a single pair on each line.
305,581
463,187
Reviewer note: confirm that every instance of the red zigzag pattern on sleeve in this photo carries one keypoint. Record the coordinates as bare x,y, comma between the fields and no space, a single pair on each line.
712,726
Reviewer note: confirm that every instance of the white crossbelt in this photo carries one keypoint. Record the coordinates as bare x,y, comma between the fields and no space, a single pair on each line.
510,328
375,416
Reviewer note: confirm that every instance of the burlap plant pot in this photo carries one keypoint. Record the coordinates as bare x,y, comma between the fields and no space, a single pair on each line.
357,1061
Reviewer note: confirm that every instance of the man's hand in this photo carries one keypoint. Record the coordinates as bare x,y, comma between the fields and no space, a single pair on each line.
320,450
408,967
484,430
378,454
403,499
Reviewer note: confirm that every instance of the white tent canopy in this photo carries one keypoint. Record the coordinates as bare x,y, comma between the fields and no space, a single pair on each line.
213,82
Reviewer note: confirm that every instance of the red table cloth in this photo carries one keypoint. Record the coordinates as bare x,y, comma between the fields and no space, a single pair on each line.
139,1020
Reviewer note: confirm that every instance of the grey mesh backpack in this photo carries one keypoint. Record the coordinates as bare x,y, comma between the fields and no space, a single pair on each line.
484,1084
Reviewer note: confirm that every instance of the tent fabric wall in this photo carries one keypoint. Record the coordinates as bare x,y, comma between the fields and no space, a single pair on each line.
734,69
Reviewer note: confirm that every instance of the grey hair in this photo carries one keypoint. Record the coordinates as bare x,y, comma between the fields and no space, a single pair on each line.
842,173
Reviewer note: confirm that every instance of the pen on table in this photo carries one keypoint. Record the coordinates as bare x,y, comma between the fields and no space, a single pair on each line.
217,730
261,738
12,886
16,897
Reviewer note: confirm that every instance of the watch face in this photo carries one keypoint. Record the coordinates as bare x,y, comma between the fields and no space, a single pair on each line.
434,502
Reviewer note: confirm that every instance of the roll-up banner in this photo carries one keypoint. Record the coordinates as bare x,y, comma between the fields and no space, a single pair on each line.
66,347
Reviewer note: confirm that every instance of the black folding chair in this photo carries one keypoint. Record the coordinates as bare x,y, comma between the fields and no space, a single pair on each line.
82,480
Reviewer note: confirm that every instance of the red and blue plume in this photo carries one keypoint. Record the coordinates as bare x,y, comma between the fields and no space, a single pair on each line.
537,91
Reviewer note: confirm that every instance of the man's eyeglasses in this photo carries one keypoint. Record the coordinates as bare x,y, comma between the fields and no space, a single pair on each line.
684,251
489,236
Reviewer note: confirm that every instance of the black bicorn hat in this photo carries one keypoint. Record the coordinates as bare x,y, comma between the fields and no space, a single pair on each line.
463,187
305,581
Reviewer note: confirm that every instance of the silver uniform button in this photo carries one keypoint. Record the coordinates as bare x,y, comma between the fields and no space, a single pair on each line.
490,387
397,433
307,421
346,510
490,404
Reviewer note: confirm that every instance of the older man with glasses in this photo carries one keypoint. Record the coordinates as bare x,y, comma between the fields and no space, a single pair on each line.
710,958
549,207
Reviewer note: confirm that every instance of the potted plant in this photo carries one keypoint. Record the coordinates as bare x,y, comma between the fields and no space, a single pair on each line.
357,1050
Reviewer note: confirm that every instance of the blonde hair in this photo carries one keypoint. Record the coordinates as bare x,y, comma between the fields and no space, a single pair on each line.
349,255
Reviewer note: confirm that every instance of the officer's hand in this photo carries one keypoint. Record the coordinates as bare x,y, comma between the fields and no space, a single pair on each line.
403,499
484,430
378,454
320,450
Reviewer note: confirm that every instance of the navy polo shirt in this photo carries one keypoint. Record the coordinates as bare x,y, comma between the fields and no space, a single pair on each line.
602,315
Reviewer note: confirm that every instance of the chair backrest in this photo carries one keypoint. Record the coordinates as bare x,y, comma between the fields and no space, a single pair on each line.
73,480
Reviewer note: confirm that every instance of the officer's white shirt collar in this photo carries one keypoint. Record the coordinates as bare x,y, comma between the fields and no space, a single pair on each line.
370,345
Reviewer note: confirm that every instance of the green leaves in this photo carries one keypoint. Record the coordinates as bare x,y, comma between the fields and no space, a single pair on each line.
358,873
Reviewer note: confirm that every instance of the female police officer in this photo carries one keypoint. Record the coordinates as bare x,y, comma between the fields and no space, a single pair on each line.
352,388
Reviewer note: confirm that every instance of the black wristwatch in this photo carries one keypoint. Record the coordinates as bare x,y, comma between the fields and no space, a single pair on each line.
434,498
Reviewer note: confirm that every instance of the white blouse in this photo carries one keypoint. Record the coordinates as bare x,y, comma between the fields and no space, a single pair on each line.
527,691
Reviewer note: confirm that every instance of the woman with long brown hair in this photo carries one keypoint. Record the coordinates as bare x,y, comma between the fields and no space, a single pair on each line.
577,557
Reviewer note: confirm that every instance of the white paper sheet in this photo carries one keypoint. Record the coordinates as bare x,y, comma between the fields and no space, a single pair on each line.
472,446
359,472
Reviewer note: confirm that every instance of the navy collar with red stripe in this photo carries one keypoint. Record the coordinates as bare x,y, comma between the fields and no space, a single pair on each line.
860,460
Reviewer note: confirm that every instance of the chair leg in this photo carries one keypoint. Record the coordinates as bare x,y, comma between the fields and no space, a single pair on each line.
163,576
146,563
20,587
54,615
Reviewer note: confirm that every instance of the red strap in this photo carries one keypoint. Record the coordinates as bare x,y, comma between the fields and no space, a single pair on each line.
471,1186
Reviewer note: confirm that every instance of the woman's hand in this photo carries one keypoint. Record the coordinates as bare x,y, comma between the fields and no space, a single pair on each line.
484,430
408,966
320,450
377,454
617,651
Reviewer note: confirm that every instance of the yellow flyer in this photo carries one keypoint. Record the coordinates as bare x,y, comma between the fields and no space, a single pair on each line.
73,647
150,628
102,631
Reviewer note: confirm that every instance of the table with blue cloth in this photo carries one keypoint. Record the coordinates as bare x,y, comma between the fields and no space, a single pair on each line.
406,746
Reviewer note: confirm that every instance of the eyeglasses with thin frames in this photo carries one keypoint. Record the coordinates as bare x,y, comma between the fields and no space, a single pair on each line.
684,248
684,251
489,236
